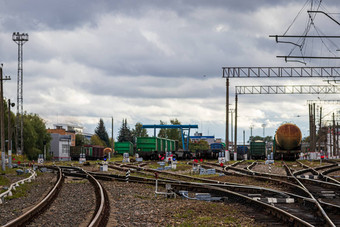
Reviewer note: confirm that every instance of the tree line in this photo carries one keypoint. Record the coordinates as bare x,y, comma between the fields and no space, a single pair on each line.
125,134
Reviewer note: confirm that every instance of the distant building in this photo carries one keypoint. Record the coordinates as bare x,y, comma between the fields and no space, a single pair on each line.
198,136
60,147
61,131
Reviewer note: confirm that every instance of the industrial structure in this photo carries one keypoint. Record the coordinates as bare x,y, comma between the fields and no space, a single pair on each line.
20,39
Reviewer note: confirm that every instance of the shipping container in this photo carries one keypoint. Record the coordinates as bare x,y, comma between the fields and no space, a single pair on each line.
124,147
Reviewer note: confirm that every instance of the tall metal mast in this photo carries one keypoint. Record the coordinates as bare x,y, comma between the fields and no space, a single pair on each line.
20,39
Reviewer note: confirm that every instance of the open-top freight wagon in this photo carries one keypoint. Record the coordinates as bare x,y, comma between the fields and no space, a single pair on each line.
124,147
257,150
152,147
92,152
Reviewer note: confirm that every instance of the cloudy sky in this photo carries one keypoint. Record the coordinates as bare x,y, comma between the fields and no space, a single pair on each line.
158,60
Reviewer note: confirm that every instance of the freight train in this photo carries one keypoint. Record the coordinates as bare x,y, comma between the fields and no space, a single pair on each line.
287,142
92,152
152,147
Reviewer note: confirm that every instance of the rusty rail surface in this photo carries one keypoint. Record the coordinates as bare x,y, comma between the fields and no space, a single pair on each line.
34,211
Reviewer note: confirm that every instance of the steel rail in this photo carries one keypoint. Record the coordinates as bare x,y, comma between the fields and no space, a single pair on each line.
323,213
321,175
100,216
230,186
31,213
279,213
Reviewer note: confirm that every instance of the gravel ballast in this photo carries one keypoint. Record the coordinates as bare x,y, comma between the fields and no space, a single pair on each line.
37,189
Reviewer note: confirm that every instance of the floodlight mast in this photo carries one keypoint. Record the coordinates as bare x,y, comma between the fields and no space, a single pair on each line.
20,39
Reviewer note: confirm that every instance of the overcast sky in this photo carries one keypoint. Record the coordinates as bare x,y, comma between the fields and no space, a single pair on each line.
158,60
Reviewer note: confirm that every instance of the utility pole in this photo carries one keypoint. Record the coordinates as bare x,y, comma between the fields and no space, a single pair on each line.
2,121
9,134
320,131
264,130
235,133
231,126
112,137
20,39
334,145
3,154
227,115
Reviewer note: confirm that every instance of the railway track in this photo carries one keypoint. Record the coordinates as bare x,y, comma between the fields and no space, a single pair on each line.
302,212
99,217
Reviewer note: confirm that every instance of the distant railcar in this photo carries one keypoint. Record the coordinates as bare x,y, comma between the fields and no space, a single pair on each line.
124,147
92,152
152,147
257,150
241,151
287,143
216,148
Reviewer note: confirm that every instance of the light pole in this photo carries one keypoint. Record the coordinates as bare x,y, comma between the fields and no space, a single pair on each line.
20,39
2,120
9,133
264,130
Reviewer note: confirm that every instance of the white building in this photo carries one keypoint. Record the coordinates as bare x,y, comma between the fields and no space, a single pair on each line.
60,147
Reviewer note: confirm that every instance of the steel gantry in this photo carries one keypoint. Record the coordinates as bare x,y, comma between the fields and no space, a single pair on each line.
239,72
288,89
183,128
273,72
281,89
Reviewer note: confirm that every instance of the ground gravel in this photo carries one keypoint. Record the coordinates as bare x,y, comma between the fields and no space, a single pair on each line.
74,205
136,205
274,169
36,190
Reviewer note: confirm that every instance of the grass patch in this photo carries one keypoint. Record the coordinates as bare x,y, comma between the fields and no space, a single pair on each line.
230,219
20,191
141,197
205,219
4,180
185,214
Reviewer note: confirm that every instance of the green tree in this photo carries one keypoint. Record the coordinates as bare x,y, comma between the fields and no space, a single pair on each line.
138,131
95,140
163,131
35,134
124,133
80,140
102,133
171,133
201,145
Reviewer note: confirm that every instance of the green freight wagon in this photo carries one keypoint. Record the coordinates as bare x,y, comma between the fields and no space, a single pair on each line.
149,147
257,150
152,147
124,147
170,145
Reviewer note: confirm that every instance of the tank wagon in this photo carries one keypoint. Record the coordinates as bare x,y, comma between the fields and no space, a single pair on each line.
152,147
287,142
